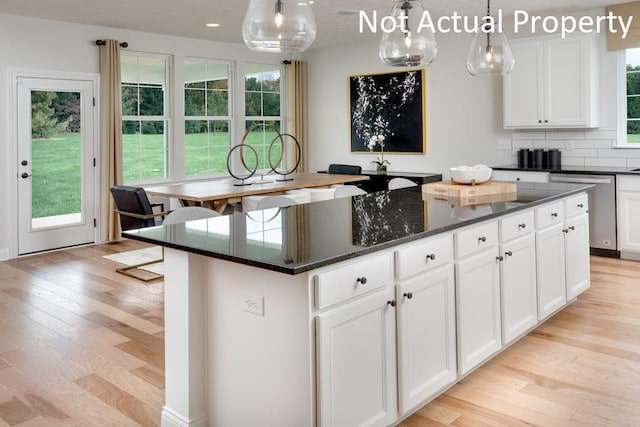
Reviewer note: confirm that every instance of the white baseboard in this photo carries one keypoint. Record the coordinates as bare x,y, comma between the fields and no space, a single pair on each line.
171,419
4,254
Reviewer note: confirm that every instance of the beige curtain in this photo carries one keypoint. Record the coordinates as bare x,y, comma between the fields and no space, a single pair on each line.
625,10
297,125
110,137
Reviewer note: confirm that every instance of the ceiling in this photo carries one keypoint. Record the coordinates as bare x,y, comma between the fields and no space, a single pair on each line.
187,18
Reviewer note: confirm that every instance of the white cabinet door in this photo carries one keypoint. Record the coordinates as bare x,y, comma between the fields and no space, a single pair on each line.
577,255
567,82
553,85
524,86
356,347
628,225
550,270
518,286
426,335
478,308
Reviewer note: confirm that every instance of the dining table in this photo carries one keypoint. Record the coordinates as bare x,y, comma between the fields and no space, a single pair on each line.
217,194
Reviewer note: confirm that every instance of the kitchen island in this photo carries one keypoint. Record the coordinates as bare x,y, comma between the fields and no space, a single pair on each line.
358,311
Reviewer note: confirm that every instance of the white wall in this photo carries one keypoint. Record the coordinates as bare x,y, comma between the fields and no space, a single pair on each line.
464,113
40,45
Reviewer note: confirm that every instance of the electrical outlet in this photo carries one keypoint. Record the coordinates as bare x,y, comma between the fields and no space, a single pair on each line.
504,144
252,303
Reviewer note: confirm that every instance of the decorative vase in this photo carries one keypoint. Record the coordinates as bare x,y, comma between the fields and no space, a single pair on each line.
381,169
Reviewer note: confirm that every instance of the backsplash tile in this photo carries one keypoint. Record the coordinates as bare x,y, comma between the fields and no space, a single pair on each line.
579,148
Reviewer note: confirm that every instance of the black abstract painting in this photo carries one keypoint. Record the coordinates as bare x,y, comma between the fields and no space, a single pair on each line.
390,105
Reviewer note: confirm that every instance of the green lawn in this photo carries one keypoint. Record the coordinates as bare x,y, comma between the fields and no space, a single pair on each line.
56,164
633,138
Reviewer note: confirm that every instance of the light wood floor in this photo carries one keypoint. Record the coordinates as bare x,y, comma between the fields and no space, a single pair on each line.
82,345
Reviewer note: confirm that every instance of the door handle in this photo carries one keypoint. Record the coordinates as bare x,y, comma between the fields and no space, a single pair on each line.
25,175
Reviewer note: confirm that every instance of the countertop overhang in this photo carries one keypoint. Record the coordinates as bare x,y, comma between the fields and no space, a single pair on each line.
304,237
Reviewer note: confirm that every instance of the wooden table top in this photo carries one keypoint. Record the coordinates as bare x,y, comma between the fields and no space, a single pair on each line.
224,189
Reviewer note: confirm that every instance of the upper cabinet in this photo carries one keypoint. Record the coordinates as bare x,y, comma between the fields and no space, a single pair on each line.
554,83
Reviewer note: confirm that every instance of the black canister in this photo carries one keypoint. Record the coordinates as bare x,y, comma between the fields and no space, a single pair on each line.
554,158
536,158
524,158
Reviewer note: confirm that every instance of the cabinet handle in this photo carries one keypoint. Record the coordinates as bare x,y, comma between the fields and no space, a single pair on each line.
431,257
482,239
581,206
572,228
522,226
539,121
508,253
517,179
408,295
546,121
362,280
565,230
392,303
555,214
499,258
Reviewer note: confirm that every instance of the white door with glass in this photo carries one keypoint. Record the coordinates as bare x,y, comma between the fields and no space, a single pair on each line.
56,171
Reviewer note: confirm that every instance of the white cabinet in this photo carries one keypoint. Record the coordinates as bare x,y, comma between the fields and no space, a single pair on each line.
578,276
628,214
518,282
520,176
356,363
478,308
554,83
550,270
426,336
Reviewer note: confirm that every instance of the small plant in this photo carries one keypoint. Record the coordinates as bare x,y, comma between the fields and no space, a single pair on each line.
380,162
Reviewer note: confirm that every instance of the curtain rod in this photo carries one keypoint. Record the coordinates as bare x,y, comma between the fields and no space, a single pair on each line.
102,43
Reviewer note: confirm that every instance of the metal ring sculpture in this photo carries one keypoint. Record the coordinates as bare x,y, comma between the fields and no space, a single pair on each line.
248,169
282,149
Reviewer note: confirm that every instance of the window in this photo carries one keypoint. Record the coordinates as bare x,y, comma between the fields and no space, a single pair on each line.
262,111
207,109
145,116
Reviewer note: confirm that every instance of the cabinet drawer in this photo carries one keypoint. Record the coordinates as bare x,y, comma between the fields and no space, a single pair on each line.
576,205
516,225
523,176
476,238
549,214
423,255
628,183
353,279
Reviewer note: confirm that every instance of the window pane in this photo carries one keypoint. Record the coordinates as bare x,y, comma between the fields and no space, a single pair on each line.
217,103
144,150
262,134
194,102
633,131
151,101
129,99
633,107
271,104
207,145
253,104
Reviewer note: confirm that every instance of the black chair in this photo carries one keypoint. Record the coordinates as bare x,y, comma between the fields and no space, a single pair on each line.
344,169
135,211
134,208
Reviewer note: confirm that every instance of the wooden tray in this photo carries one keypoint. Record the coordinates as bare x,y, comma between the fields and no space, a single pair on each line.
449,189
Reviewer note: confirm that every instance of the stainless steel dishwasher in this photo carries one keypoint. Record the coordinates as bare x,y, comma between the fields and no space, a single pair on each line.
602,210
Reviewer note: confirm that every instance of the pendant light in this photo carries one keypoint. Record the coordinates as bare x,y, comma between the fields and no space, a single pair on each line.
490,53
279,26
408,45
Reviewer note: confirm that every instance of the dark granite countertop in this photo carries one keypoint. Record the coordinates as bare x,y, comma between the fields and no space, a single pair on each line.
303,237
586,170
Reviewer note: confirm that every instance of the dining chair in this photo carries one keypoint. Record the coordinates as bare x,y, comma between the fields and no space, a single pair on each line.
136,211
189,213
397,183
275,202
134,208
348,191
344,169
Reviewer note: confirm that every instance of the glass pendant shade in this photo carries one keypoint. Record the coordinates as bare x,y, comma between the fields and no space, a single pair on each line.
408,45
279,26
490,53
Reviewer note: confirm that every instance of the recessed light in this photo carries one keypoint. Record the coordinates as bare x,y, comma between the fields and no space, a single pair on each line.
212,25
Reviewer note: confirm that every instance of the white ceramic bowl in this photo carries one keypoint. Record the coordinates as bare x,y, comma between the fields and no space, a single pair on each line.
471,174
